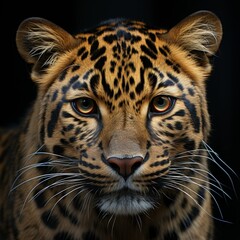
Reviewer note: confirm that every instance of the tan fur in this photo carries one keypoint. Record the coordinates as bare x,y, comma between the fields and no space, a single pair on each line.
63,170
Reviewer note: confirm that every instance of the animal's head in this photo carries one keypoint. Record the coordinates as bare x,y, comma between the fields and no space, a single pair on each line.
118,103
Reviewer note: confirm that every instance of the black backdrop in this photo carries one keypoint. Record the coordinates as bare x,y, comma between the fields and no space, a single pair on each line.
17,90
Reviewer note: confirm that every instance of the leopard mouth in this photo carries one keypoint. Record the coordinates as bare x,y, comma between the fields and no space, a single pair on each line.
125,202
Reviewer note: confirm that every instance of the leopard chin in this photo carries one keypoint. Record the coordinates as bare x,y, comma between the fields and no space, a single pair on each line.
125,203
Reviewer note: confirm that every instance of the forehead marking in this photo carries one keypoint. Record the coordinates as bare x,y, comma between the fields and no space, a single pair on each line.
121,36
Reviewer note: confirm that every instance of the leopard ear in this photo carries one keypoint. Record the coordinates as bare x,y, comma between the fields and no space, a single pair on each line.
40,42
200,34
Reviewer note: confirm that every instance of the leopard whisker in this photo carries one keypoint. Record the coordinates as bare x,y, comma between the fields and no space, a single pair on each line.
55,195
198,171
62,160
192,151
212,159
155,189
212,155
172,185
35,166
64,196
192,155
113,224
87,202
222,162
29,156
186,179
47,176
139,222
58,183
39,192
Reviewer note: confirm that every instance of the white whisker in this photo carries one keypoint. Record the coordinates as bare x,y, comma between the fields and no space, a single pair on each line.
228,167
173,186
191,179
198,171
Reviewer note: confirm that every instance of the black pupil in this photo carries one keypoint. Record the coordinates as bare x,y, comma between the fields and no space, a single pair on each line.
86,103
160,101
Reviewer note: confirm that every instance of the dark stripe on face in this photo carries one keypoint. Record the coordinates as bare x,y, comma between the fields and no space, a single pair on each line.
188,143
63,210
40,198
81,51
86,75
140,86
87,164
50,220
188,220
152,37
180,86
54,96
175,79
146,62
163,52
160,163
59,150
113,65
94,47
132,95
168,62
55,113
72,80
157,173
94,81
80,86
152,80
168,83
98,53
166,48
63,75
84,56
54,118
178,126
180,113
135,39
192,109
67,115
191,91
106,86
42,129
110,38
201,195
75,68
100,63
151,46
132,67
148,52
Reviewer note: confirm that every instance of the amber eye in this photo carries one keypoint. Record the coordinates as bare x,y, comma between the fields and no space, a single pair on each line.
162,104
84,106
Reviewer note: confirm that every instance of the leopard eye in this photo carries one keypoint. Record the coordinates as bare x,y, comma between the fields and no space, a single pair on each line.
84,106
162,104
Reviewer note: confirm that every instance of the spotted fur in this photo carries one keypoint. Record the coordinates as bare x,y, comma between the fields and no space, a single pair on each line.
115,144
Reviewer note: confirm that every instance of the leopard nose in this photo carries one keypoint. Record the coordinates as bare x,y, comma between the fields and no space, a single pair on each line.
125,166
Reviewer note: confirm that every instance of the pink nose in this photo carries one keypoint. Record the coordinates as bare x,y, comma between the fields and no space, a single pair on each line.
125,166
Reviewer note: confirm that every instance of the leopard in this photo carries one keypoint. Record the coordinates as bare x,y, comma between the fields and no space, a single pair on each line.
115,144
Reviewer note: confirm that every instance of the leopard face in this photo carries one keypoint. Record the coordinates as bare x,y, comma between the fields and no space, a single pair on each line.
118,125
117,108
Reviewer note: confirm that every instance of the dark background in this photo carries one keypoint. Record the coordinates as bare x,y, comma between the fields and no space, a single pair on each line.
17,90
